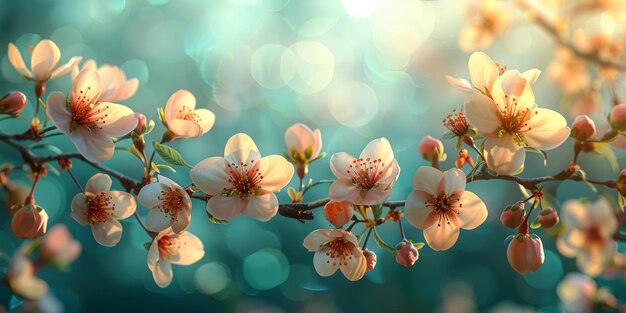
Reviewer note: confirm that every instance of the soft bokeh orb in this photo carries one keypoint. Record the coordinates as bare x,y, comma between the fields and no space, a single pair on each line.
265,269
307,67
212,277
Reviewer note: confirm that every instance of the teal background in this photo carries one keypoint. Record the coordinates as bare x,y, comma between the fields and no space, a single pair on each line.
387,80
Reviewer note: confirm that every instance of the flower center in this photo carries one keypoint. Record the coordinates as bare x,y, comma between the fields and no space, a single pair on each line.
168,245
99,208
339,252
445,207
186,113
245,179
366,172
456,123
171,201
334,209
513,120
594,235
86,111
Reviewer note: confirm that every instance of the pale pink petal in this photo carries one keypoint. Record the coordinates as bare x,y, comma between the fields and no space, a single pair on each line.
79,209
127,90
453,181
162,274
481,112
56,108
66,68
317,143
323,263
181,221
87,86
158,220
570,242
342,189
341,165
185,128
601,213
346,235
210,176
119,120
22,280
511,89
153,254
205,119
99,183
356,265
575,214
427,179
461,84
240,148
441,236
176,102
15,58
191,250
483,71
416,212
262,207
379,149
93,145
547,129
276,172
531,75
45,57
299,137
124,204
107,233
504,155
316,239
370,197
390,175
148,195
226,207
472,211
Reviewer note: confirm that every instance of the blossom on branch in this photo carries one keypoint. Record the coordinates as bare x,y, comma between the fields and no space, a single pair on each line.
242,182
115,86
183,120
169,248
367,180
169,204
303,146
59,248
43,63
440,206
100,208
89,123
336,249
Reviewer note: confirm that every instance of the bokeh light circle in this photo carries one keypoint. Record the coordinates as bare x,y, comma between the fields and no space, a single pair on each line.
353,104
307,67
212,277
265,66
266,269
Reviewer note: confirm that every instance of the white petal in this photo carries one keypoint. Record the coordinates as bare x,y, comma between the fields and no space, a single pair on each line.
124,203
175,103
15,58
206,119
299,137
184,128
119,121
531,75
162,274
226,207
276,172
378,149
191,250
92,144
262,207
79,209
210,176
342,189
323,263
548,130
316,239
340,164
481,113
182,220
453,181
483,71
107,233
503,155
461,84
511,86
240,149
427,179
157,220
441,236
66,68
44,58
148,195
472,212
153,253
56,108
416,212
87,86
99,183
355,269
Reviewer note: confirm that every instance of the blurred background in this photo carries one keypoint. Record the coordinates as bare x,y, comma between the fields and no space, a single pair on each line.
356,69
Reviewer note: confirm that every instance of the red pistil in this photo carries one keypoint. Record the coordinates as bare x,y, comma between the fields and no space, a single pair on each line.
99,208
366,172
339,252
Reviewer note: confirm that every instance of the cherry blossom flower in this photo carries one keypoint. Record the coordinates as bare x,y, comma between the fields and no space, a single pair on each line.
169,204
114,85
59,247
525,253
242,182
13,103
44,59
336,249
483,74
29,221
21,276
169,248
100,208
183,120
486,20
588,234
304,146
440,206
511,121
367,180
580,294
90,124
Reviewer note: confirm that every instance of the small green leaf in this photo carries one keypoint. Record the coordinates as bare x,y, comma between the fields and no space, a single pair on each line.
165,166
418,245
621,201
136,153
155,168
169,154
215,220
535,224
381,243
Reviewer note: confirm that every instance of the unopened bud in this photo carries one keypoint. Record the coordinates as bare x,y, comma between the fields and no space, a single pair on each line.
370,258
30,221
583,128
431,149
141,124
464,157
513,215
525,253
13,103
338,213
617,118
548,217
406,253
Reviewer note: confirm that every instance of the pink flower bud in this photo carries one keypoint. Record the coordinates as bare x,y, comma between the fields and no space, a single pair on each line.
59,247
406,253
13,103
141,123
431,149
338,213
370,258
513,215
583,128
548,217
525,253
617,119
29,221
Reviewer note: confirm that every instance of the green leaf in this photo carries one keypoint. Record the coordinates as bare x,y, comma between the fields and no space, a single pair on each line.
155,168
535,224
377,210
540,152
169,154
418,245
382,244
165,166
621,201
215,220
162,116
136,153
